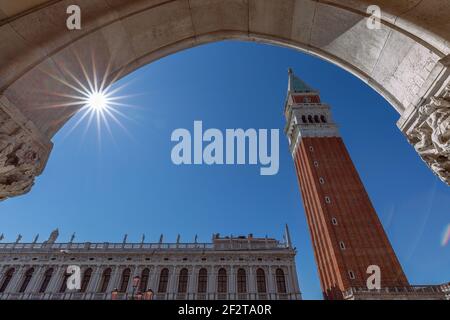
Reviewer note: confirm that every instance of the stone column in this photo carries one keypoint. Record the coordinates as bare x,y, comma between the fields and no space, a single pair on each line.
58,272
17,279
96,275
295,281
36,279
251,282
271,283
173,283
427,128
154,278
232,282
115,276
212,282
288,279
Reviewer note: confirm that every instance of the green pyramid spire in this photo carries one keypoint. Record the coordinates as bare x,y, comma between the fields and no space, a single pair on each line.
297,85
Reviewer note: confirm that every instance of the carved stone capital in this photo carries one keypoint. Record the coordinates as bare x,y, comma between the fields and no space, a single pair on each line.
23,151
429,133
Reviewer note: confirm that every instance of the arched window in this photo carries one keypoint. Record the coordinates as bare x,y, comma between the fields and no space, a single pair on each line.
46,280
281,283
241,281
202,280
145,275
316,119
310,119
304,119
261,281
222,281
163,280
7,279
106,276
86,278
26,280
183,281
323,119
63,287
125,279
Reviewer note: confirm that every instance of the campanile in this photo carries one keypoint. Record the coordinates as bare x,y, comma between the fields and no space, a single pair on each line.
346,233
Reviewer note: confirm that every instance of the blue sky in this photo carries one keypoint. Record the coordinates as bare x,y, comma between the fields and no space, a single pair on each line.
128,184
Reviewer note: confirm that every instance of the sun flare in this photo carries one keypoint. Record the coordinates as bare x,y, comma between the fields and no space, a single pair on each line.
97,101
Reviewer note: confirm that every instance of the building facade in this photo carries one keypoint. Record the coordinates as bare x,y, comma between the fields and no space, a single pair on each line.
348,239
227,268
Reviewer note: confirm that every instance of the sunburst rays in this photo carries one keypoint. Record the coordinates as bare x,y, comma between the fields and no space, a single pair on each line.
91,92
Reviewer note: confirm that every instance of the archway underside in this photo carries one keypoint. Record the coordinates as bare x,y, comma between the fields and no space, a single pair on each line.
406,60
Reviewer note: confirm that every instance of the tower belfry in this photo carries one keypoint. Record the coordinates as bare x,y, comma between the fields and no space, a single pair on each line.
346,232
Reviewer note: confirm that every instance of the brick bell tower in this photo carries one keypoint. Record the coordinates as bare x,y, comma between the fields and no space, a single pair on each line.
346,232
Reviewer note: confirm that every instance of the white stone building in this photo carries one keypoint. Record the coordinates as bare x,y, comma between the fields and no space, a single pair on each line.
227,268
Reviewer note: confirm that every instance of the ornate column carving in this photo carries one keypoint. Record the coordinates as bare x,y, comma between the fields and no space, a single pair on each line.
24,151
428,130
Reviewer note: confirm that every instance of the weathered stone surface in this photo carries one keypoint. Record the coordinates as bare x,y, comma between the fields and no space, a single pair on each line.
430,134
402,60
23,151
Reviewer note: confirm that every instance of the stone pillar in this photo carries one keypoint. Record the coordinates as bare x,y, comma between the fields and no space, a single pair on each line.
212,282
24,151
115,278
96,276
135,271
154,278
58,273
192,282
295,281
231,271
251,282
427,128
36,279
16,281
271,283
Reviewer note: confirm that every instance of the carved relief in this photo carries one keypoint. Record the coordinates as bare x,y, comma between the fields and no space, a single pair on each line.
430,135
22,155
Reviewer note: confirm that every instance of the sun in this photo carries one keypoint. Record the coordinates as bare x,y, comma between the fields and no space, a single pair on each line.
93,95
98,101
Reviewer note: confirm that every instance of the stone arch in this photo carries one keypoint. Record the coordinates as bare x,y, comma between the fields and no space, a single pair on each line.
406,60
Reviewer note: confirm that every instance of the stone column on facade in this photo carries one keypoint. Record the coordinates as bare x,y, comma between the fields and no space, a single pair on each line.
212,282
288,280
232,282
154,277
58,272
93,284
17,279
173,282
427,128
135,271
191,290
3,272
271,284
36,279
115,276
24,151
294,277
251,283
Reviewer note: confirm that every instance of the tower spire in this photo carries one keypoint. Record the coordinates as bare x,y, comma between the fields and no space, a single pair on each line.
297,85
